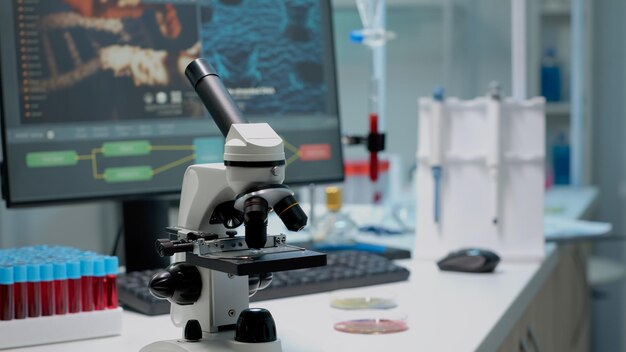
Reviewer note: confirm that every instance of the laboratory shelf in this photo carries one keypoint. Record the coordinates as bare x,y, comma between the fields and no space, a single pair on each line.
556,8
558,109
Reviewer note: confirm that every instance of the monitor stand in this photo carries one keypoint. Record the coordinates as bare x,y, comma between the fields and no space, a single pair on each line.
144,222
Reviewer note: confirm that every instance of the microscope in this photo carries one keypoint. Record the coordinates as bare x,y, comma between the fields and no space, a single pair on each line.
214,270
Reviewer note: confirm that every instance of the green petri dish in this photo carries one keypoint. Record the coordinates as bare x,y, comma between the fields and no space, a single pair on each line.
354,303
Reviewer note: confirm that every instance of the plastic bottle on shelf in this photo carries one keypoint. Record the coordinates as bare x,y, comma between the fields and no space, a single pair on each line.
334,227
551,76
561,160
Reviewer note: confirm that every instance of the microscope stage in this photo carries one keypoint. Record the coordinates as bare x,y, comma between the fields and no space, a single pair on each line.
266,260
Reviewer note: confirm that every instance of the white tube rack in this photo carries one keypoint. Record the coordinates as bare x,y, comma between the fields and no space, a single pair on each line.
59,328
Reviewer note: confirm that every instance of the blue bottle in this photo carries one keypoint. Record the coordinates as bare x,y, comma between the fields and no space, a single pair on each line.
561,160
550,76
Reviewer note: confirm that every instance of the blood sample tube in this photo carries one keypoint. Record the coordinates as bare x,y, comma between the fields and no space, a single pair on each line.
110,267
47,289
61,297
86,272
75,298
6,293
99,293
20,292
33,275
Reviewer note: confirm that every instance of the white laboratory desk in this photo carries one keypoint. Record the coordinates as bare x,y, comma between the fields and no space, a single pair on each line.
445,312
539,306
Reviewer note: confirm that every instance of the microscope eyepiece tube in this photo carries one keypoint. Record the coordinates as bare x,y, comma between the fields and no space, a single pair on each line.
215,97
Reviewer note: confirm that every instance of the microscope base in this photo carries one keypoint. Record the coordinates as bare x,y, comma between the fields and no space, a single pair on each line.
220,342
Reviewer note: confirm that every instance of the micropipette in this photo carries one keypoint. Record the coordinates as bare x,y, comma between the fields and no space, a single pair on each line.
436,148
494,153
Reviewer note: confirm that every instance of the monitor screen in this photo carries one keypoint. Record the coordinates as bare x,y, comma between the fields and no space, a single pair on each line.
95,103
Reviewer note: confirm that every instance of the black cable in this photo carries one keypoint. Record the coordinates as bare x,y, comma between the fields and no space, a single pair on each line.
117,240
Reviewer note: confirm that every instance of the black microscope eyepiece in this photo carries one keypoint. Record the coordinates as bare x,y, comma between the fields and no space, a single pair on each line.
214,95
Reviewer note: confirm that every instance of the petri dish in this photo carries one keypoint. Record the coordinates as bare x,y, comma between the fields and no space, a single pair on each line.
372,326
354,303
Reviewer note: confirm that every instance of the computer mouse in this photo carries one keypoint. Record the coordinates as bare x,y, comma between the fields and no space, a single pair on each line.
470,260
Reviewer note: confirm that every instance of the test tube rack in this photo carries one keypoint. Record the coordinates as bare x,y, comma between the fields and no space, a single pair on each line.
60,328
53,294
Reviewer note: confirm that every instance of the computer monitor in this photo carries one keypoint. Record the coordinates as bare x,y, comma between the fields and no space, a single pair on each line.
95,104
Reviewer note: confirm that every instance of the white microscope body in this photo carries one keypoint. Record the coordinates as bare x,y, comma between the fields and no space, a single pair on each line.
214,271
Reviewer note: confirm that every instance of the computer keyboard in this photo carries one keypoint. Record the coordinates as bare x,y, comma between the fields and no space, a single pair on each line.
346,269
133,293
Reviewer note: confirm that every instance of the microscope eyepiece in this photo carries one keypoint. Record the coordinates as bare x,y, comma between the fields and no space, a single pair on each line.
291,213
255,210
204,79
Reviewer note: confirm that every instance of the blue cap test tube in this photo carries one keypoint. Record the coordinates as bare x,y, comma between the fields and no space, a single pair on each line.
33,276
6,293
74,286
99,292
61,296
86,271
20,291
47,289
111,267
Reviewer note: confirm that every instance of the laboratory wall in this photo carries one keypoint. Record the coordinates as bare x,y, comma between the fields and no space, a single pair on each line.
459,45
609,164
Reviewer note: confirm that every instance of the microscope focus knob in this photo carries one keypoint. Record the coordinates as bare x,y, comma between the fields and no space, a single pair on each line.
180,283
255,325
